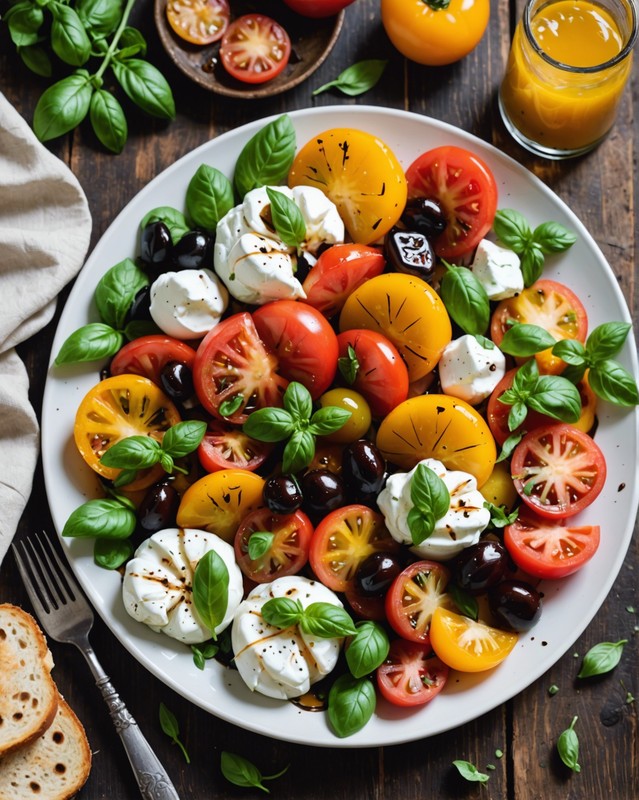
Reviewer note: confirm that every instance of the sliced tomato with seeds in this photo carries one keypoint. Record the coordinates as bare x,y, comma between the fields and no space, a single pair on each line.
467,645
148,355
411,675
413,597
198,21
255,48
226,447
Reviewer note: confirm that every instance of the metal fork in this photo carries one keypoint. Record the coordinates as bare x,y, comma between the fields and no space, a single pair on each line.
67,617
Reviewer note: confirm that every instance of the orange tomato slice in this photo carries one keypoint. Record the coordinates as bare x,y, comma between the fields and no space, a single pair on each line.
198,21
466,645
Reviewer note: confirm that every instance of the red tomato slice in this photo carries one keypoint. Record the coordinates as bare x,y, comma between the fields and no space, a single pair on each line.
413,597
302,339
466,190
232,364
411,675
547,550
342,540
287,552
148,355
225,447
255,48
550,305
338,272
382,376
558,470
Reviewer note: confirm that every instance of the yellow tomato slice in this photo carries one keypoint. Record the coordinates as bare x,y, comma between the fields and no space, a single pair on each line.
198,21
442,427
218,502
499,489
408,312
360,174
117,407
466,645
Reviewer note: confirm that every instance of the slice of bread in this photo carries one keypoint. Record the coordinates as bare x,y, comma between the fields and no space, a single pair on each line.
54,767
28,694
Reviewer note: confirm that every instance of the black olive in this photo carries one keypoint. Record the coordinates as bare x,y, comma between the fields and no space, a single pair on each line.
376,573
363,469
303,268
155,244
323,492
281,494
410,252
192,251
481,566
515,604
159,507
139,310
425,215
177,381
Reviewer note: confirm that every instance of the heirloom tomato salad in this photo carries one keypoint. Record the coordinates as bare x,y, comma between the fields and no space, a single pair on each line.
344,425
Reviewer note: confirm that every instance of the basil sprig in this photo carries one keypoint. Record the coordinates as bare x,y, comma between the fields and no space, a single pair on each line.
348,365
532,245
499,517
465,299
469,772
431,501
351,704
568,747
211,589
601,658
242,772
267,157
367,649
296,422
324,620
358,78
169,725
287,218
203,652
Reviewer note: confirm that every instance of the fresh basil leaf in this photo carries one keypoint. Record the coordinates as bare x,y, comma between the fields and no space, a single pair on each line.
571,351
174,220
509,445
517,415
145,86
69,39
229,406
512,229
348,365
36,59
465,299
367,649
469,772
282,612
553,237
211,589
351,704
198,658
124,477
574,373
183,438
133,452
421,524
116,291
298,402
259,544
465,602
100,16
525,340
269,424
532,263
287,218
112,553
326,621
169,725
429,492
568,747
203,652
601,658
62,106
131,43
556,397
241,772
611,382
209,196
267,157
525,378
358,78
298,452
108,120
499,517
166,462
102,518
24,20
328,420
89,343
486,343
606,340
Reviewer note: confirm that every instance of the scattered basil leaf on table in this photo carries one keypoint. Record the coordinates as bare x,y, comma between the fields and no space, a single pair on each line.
470,772
601,658
210,589
351,704
242,772
568,747
145,86
265,160
169,724
358,78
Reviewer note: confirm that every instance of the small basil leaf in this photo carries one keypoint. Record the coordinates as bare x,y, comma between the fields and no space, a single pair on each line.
298,402
102,518
351,704
69,39
571,351
601,658
532,263
298,452
241,772
282,612
145,86
210,589
100,16
367,649
174,220
287,218
326,621
328,420
348,365
108,120
267,157
24,21
517,415
421,524
553,237
62,106
203,652
512,229
525,340
183,438
140,327
169,724
229,406
557,398
465,299
116,291
36,59
358,78
611,382
568,747
509,445
469,772
112,553
132,42
499,517
209,197
525,378
89,343
465,602
269,424
429,492
133,452
259,544
125,476
606,340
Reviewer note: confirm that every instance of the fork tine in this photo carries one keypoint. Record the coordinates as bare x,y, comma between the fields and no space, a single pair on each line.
72,589
35,589
47,573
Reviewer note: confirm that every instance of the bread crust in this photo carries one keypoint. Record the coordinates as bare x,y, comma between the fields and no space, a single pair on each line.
28,694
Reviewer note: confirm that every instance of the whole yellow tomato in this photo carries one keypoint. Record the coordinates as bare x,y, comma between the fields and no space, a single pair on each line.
435,32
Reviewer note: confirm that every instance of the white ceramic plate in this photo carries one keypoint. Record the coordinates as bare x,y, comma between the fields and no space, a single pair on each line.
569,605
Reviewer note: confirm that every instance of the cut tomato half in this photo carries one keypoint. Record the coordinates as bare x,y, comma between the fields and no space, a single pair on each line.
413,597
198,21
411,675
255,48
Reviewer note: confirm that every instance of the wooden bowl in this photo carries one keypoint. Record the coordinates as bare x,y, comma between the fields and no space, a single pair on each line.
311,39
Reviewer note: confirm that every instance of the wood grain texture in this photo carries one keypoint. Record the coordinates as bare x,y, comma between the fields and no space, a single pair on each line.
601,189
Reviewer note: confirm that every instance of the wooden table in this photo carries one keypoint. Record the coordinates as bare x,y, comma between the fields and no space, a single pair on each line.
600,189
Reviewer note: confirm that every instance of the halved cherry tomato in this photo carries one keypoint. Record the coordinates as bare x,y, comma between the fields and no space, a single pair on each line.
148,355
198,21
550,305
117,407
547,550
558,470
467,645
219,502
286,554
233,366
303,341
411,675
380,374
338,272
255,48
360,174
413,597
342,540
226,447
408,312
442,427
466,190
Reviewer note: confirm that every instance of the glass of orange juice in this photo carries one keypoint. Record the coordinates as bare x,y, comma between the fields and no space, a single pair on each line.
568,65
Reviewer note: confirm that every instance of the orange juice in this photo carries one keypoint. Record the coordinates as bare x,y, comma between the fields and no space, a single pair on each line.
568,65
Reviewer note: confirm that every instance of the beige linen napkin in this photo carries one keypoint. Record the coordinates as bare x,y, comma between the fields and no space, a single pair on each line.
45,226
